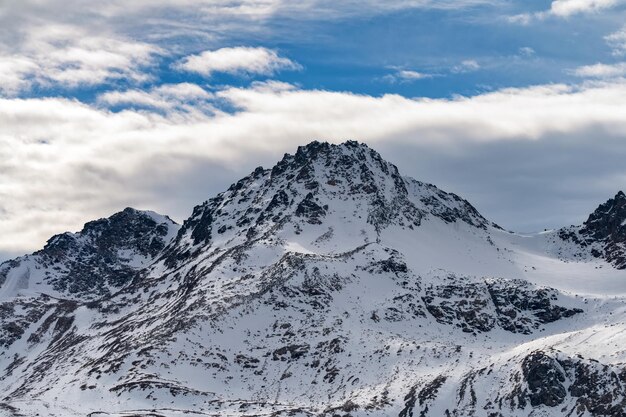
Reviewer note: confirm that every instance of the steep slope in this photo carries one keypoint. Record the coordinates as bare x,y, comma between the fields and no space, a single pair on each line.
328,285
603,235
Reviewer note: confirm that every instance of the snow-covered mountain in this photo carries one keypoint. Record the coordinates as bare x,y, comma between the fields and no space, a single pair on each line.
328,285
92,263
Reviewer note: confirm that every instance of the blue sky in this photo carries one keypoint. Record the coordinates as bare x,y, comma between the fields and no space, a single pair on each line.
520,107
363,51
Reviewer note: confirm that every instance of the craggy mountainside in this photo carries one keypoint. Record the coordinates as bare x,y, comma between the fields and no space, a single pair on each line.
603,234
328,285
101,258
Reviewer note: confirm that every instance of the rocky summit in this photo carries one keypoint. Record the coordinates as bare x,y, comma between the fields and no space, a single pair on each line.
328,285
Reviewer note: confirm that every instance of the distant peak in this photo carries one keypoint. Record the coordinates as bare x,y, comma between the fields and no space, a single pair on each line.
613,207
127,222
607,221
119,218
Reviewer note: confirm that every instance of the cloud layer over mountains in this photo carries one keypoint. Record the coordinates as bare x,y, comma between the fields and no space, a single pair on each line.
162,104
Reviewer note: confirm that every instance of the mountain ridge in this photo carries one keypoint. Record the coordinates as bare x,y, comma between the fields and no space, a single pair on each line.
112,249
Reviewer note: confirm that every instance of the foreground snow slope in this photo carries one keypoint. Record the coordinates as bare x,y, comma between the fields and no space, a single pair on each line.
327,285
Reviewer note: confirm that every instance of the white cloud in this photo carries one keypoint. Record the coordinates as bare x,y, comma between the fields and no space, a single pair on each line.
339,9
602,71
617,41
71,43
523,18
403,76
63,162
566,9
70,56
259,9
526,51
14,72
412,75
469,65
184,96
237,60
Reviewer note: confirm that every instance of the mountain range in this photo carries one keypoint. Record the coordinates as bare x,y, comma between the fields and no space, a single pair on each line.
328,285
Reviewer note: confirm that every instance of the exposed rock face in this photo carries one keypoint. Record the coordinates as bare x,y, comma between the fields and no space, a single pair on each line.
514,306
320,184
607,225
553,380
17,315
606,222
544,377
449,207
328,285
603,234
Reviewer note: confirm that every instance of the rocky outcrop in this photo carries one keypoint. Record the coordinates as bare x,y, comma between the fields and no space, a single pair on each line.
544,377
513,305
577,385
603,234
607,226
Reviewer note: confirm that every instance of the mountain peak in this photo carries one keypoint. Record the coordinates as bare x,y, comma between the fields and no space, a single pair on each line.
125,227
322,187
350,151
315,148
606,226
321,183
608,217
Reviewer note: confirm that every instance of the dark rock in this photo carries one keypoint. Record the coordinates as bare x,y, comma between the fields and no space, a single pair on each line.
604,232
290,352
310,210
519,307
545,379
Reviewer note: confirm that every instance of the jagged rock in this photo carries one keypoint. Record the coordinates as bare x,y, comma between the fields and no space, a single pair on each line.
603,234
545,378
607,225
310,210
513,305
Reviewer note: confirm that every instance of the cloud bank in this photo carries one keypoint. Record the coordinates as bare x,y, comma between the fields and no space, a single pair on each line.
70,56
617,40
63,162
